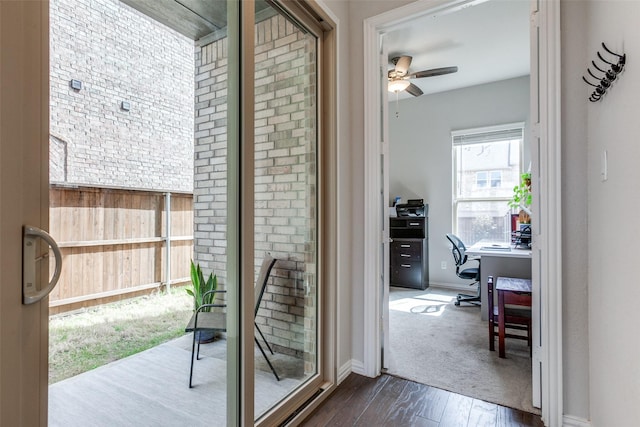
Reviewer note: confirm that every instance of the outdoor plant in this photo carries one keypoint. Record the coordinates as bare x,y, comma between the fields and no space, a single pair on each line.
521,198
201,286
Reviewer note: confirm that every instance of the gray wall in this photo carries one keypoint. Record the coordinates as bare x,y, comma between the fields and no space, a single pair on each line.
119,55
420,151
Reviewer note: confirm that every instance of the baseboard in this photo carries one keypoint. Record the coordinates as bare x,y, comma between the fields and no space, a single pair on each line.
570,421
456,286
344,371
357,367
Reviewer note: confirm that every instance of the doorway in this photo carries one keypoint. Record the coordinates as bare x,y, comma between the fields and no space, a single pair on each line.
545,145
474,100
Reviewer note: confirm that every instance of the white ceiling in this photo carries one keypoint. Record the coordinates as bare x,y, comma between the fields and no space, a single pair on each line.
488,42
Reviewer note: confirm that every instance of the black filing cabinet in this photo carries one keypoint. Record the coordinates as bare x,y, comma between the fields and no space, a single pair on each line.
409,252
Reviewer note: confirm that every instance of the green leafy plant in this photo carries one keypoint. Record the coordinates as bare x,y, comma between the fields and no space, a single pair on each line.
521,198
201,286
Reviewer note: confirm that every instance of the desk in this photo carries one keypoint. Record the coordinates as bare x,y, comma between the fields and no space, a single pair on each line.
511,291
496,262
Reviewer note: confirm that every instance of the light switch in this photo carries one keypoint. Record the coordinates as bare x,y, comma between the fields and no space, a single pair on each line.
604,169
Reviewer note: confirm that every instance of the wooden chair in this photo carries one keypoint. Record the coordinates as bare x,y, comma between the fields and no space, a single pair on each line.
515,318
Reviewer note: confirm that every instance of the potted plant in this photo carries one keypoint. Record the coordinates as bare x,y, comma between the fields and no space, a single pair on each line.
521,198
200,288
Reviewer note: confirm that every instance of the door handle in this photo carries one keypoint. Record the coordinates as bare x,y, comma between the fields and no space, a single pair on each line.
30,293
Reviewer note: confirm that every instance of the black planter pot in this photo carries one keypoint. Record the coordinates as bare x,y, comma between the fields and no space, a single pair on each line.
204,337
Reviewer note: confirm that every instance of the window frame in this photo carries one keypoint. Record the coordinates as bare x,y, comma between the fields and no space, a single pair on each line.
460,134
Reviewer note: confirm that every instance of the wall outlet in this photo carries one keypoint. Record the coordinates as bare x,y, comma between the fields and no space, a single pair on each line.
443,265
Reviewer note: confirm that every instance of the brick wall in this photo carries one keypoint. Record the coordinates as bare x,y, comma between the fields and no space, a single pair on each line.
285,184
119,55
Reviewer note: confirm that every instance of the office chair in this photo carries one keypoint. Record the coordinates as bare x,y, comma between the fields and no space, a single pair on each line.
471,273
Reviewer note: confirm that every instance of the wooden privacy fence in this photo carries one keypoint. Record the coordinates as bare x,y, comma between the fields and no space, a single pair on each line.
118,243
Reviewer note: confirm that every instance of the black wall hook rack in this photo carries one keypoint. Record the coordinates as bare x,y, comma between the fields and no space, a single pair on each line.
609,70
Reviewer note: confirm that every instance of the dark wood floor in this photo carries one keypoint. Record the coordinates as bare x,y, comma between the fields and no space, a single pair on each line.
392,401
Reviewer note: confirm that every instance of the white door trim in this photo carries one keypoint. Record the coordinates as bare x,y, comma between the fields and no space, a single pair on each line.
549,244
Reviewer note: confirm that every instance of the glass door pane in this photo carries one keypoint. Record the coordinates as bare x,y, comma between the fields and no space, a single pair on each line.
139,174
286,205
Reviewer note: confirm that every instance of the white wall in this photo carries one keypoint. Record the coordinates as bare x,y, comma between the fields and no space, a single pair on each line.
344,289
420,151
575,344
613,125
359,10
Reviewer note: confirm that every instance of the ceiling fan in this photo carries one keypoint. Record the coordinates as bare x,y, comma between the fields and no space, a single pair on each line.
399,76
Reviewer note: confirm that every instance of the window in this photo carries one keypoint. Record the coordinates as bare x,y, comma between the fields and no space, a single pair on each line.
487,163
481,179
496,178
484,178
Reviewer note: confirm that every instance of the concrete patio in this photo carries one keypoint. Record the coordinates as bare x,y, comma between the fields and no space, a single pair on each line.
151,388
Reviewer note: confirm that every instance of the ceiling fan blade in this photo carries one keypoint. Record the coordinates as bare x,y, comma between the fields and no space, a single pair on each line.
402,64
414,90
433,72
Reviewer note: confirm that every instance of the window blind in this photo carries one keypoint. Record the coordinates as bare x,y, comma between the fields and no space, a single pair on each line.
475,137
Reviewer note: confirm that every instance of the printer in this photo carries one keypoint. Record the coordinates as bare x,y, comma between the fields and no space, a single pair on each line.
413,208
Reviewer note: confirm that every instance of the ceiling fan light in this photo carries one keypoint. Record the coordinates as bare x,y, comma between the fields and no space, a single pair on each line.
398,85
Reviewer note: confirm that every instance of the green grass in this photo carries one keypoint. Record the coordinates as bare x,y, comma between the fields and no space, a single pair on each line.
85,340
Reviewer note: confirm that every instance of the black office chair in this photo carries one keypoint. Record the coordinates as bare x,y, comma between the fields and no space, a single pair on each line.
471,273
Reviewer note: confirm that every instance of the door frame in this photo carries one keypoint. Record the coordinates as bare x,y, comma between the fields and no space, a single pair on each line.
547,249
322,23
24,199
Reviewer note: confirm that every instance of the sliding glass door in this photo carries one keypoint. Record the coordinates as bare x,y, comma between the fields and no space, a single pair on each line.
286,202
277,204
263,185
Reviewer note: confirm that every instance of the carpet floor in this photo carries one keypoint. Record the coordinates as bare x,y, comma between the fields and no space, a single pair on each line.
436,343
